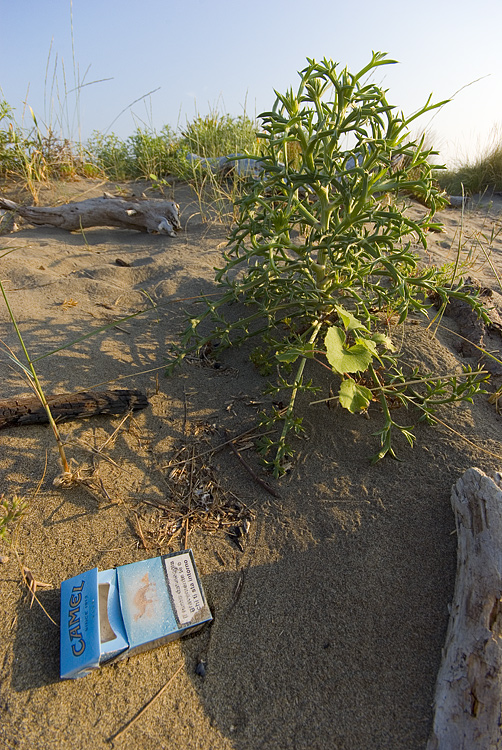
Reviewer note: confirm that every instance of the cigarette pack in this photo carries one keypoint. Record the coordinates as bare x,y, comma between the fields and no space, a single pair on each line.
113,614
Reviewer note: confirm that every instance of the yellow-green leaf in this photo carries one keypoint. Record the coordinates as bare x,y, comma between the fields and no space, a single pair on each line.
343,358
384,340
354,397
350,322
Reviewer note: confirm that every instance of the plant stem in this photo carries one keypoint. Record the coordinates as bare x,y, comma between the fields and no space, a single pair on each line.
296,386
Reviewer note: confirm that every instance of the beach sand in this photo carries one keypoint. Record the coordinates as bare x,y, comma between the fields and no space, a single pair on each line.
330,620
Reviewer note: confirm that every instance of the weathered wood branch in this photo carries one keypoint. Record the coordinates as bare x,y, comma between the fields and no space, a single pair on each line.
155,216
479,338
468,699
29,410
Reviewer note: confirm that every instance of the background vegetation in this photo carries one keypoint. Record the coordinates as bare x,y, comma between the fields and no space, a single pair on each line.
482,174
36,153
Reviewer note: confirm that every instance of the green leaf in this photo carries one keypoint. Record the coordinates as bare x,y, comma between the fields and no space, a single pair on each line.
292,353
368,344
384,340
342,358
350,322
354,397
17,362
289,357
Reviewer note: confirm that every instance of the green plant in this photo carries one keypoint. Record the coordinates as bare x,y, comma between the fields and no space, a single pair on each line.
111,155
37,154
143,153
482,174
7,138
200,147
11,512
322,247
152,151
220,135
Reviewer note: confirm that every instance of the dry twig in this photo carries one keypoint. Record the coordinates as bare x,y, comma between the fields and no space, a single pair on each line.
32,584
195,498
145,707
266,486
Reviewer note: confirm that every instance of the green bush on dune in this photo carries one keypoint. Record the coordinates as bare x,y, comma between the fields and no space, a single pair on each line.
148,152
320,253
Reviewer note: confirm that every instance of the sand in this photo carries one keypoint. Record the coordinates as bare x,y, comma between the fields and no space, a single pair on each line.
329,622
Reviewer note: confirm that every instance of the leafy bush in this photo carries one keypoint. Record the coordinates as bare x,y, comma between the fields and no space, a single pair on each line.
219,135
321,251
144,153
38,154
7,139
147,153
152,152
111,155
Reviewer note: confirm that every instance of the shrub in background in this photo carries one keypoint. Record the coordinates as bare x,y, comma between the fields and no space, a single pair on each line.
220,135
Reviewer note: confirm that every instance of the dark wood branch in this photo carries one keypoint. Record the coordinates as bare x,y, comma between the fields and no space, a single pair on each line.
28,409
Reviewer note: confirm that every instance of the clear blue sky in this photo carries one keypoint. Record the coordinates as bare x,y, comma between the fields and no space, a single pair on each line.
231,55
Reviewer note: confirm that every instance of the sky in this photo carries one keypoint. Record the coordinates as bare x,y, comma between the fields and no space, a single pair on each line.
80,65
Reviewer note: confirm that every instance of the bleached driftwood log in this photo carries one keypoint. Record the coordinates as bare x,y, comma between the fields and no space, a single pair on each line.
159,216
468,699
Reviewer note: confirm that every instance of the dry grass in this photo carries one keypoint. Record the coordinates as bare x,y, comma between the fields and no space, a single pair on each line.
195,498
482,174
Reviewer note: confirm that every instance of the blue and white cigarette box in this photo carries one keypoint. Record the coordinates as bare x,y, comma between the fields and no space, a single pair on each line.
113,614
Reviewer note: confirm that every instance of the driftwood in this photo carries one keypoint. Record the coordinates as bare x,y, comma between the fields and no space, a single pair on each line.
468,699
479,336
29,410
155,216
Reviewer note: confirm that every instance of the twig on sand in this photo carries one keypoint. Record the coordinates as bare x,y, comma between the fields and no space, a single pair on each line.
145,707
238,589
32,584
185,412
139,531
218,447
192,470
266,486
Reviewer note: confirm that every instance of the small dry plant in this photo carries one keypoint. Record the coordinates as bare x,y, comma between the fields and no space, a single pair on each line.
195,499
12,510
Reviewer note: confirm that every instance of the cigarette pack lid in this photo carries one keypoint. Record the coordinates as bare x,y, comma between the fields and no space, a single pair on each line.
80,644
